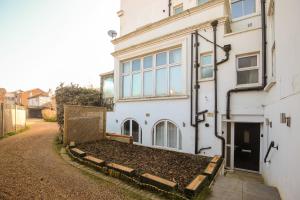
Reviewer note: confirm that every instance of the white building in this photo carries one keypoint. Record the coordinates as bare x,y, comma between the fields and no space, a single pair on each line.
257,91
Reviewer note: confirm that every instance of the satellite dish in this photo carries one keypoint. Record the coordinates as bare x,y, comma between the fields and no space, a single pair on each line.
112,33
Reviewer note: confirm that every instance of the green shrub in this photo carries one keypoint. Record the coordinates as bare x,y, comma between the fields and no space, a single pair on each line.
74,95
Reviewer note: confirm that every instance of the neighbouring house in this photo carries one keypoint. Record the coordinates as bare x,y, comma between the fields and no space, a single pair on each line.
37,103
23,96
212,77
2,95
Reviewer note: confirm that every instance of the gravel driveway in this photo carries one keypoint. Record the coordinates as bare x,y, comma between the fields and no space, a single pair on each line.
31,169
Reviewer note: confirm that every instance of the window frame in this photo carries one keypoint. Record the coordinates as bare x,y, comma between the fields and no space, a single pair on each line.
165,142
153,69
130,129
258,67
244,16
200,66
178,6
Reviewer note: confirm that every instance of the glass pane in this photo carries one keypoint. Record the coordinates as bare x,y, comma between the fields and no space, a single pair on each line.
126,128
175,80
237,9
206,60
135,131
249,7
228,138
178,10
247,61
148,83
161,82
136,84
148,62
126,67
108,87
175,56
180,140
200,2
126,86
246,77
172,135
161,59
207,72
136,65
160,129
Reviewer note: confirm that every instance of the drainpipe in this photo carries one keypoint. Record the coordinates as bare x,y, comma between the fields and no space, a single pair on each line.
214,25
197,86
264,62
170,5
192,82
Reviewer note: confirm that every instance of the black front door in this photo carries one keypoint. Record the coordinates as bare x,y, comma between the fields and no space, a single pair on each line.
247,145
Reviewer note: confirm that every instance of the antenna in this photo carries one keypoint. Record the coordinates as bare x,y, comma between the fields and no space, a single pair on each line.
112,33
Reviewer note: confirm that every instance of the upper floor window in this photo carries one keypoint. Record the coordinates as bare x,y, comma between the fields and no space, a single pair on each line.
108,87
178,9
247,70
153,75
206,66
241,8
200,2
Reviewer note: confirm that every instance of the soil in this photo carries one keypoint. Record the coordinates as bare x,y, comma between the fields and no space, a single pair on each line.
179,167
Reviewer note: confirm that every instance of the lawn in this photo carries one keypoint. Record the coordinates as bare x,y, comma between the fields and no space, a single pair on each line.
181,168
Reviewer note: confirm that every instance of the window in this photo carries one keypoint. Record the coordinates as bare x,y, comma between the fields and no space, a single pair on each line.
178,9
206,66
200,2
247,70
241,8
167,134
153,75
108,87
131,128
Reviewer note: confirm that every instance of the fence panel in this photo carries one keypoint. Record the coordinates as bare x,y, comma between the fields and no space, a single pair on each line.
84,123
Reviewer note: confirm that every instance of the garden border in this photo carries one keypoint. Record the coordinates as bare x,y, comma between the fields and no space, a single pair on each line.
128,175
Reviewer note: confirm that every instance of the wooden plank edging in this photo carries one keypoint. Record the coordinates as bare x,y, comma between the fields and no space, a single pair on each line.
158,181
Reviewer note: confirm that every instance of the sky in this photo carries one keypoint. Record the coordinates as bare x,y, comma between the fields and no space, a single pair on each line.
46,42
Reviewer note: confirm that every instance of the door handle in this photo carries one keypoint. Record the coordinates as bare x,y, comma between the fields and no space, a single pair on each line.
246,151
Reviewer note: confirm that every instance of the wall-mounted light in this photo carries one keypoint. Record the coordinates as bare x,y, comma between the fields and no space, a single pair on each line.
117,121
183,124
146,122
282,118
288,121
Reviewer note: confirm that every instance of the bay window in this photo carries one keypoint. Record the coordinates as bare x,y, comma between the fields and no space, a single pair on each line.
154,75
247,70
241,8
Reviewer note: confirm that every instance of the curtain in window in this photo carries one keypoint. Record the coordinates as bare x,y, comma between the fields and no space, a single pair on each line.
160,128
172,135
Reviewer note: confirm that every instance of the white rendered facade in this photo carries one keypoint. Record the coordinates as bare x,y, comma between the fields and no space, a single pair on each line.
160,102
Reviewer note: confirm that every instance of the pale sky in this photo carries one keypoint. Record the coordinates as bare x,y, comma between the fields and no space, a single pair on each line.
45,42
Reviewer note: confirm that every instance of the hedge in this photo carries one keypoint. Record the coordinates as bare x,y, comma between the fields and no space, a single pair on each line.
74,95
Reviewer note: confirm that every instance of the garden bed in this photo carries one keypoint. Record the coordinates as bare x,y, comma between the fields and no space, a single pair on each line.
174,166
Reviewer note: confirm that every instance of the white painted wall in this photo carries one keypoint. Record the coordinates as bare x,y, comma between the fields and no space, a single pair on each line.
284,97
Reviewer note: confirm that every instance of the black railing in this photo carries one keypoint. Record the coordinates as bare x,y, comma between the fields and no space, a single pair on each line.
272,145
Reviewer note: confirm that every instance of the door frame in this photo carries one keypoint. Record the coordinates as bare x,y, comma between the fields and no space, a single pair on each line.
231,145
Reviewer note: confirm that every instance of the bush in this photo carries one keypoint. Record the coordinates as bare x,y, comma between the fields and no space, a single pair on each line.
49,115
74,95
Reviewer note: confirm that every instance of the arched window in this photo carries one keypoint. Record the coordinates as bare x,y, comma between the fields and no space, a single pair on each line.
131,128
167,134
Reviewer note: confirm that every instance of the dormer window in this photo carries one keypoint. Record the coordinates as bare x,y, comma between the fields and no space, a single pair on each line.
178,9
240,8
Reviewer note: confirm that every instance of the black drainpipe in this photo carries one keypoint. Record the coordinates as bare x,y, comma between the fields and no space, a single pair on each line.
264,62
192,77
226,49
170,5
197,86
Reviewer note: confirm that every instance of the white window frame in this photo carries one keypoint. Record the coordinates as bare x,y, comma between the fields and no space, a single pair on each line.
212,64
154,69
248,69
243,16
130,129
165,146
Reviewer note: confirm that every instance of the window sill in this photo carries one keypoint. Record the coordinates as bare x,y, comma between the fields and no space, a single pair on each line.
153,98
205,80
245,17
248,85
166,148
270,84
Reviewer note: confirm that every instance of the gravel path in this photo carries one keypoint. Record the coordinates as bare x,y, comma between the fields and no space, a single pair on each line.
31,169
